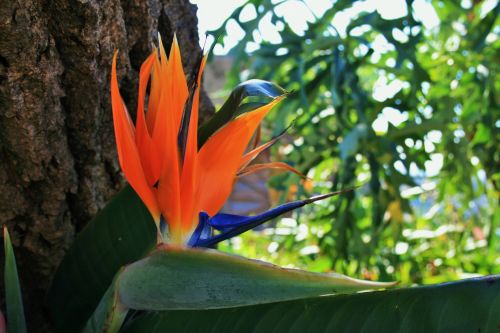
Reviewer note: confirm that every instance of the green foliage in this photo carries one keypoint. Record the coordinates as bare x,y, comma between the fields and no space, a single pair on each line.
415,220
16,322
465,306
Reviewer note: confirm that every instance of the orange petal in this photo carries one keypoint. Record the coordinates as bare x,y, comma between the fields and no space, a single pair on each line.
251,155
169,200
220,158
154,93
127,150
165,136
179,89
147,150
163,56
272,165
173,94
189,168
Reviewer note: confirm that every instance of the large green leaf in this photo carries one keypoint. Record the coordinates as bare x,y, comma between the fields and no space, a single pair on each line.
465,306
16,322
121,233
231,108
180,278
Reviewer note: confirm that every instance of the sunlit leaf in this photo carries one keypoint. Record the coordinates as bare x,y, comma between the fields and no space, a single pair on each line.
16,323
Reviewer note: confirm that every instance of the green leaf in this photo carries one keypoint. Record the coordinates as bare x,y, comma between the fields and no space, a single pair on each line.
121,233
461,307
16,322
483,134
180,278
230,109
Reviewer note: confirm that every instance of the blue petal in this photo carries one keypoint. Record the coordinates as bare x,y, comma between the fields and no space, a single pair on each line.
233,225
202,231
226,222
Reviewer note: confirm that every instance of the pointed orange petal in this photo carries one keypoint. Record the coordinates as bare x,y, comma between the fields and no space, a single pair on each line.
174,94
220,158
163,55
251,155
189,168
154,93
165,137
147,150
127,150
272,165
178,84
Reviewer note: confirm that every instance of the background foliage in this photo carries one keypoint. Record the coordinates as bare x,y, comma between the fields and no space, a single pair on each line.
410,111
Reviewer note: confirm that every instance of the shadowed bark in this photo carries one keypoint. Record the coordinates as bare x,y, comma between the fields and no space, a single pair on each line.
58,164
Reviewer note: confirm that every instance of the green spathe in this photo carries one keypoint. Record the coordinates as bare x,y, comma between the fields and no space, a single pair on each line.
184,278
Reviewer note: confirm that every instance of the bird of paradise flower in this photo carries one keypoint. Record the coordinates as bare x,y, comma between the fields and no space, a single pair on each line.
185,186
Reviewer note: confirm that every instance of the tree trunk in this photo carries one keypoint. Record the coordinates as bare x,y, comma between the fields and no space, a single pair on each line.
58,164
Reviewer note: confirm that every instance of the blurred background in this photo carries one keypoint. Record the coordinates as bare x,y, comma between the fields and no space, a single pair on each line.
400,97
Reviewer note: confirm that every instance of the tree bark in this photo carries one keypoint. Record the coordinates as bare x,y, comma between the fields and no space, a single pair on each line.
58,164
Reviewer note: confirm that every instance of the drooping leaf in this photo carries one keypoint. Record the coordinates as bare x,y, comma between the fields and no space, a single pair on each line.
16,322
121,233
231,108
461,307
184,278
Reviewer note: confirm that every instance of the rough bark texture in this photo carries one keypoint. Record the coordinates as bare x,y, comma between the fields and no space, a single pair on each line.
58,164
